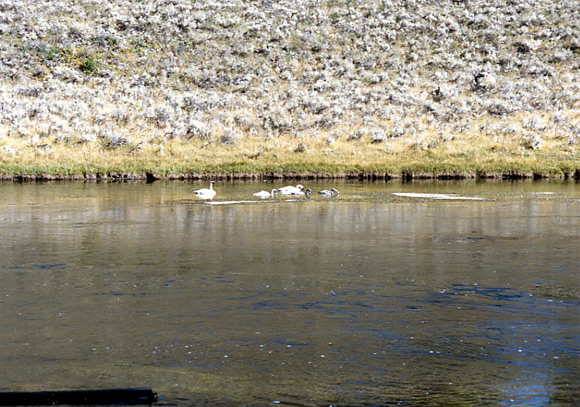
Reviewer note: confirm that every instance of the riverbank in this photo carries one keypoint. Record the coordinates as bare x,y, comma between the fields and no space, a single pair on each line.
284,157
292,88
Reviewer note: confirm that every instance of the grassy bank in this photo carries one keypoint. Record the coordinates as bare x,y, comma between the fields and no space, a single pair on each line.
452,156
287,88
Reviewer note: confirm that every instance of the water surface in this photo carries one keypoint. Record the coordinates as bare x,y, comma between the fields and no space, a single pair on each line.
367,299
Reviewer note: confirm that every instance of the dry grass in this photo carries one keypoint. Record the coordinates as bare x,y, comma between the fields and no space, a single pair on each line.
433,153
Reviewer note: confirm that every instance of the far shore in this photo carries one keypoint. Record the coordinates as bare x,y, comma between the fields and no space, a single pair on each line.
471,155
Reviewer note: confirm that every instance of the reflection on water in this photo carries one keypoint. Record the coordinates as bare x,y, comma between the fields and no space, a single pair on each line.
364,299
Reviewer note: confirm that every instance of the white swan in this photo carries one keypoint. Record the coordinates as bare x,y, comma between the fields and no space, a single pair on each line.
290,190
206,193
266,194
332,193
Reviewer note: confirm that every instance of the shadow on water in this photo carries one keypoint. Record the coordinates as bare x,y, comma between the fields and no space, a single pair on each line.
366,299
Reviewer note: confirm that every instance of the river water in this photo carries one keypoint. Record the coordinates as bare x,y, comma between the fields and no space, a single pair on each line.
366,299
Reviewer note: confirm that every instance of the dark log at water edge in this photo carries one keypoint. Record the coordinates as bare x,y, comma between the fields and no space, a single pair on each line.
363,176
79,397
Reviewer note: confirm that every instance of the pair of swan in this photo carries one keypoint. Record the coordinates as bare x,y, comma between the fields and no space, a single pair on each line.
298,190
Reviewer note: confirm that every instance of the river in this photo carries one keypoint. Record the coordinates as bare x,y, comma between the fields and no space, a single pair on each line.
370,298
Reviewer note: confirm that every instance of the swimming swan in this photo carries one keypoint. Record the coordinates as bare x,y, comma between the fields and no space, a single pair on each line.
266,194
289,190
332,193
206,193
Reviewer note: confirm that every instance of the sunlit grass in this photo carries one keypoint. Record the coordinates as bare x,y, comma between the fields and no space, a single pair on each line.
469,154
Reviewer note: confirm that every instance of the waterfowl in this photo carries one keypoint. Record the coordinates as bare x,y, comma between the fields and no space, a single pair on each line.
266,194
290,190
206,193
332,193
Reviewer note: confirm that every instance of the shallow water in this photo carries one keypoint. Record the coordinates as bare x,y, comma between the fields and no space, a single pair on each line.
367,299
